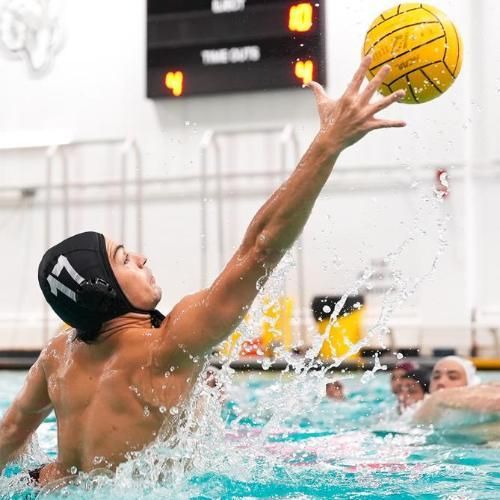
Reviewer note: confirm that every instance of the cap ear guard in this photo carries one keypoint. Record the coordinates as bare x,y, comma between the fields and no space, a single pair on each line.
96,295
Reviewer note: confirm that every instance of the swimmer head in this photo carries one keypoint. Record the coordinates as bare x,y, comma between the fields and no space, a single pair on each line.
453,371
414,385
335,390
398,372
135,279
88,280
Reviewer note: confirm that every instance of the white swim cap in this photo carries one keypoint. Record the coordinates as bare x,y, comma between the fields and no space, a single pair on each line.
468,366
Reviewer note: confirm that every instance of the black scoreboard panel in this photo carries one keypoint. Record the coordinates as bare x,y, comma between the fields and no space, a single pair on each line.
199,47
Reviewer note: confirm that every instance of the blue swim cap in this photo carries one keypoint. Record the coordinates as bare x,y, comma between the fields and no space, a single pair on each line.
77,281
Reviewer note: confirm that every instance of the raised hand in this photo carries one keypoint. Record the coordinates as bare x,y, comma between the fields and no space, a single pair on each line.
346,120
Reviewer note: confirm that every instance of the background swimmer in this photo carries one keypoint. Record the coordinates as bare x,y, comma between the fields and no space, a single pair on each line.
453,371
413,388
458,399
399,371
335,390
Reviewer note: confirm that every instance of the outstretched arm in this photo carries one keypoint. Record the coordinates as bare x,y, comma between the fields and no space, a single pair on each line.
201,321
26,413
484,398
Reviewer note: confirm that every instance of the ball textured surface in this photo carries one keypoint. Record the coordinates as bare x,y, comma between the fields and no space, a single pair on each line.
422,46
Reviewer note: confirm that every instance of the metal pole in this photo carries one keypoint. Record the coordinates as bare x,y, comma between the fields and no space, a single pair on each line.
210,139
52,149
220,205
65,192
254,129
139,195
377,172
49,156
130,146
473,148
123,189
206,141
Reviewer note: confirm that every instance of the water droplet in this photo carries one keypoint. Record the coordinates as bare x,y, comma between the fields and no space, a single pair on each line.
73,470
367,376
327,309
147,411
174,410
399,355
163,409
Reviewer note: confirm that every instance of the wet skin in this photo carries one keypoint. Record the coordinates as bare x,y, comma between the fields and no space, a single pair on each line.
396,376
409,393
112,397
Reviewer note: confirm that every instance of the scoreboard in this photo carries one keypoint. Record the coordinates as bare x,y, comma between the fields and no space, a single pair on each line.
197,47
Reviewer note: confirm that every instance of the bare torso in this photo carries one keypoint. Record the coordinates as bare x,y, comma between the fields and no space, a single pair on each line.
110,398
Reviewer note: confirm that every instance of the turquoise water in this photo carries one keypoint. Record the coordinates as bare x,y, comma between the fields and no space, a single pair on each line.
276,436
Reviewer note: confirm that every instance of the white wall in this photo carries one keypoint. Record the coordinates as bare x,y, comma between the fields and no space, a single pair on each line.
96,89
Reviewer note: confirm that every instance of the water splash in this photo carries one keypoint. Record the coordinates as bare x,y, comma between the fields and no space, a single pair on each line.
248,440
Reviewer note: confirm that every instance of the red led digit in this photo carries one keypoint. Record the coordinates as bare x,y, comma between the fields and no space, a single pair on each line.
304,71
300,17
174,81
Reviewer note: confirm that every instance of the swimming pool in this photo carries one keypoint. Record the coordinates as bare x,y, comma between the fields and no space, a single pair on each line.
276,436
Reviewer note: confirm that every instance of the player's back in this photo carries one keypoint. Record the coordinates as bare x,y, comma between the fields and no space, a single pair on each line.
110,397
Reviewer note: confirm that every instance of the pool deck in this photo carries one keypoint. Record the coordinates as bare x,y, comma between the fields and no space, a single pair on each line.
258,364
18,359
23,360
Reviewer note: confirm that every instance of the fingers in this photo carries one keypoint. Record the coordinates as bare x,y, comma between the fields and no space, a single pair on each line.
387,101
359,76
378,124
375,83
319,92
382,104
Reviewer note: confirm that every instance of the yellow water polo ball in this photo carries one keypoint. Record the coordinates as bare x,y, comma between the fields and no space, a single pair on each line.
422,46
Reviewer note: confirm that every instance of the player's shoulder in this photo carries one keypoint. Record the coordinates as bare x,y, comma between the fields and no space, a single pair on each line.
56,346
188,304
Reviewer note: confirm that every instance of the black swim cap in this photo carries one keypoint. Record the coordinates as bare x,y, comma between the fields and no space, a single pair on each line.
77,281
422,377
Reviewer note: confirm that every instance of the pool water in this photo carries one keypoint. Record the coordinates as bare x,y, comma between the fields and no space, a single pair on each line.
276,436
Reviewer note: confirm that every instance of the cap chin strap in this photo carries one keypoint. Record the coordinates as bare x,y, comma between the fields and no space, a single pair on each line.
156,318
98,295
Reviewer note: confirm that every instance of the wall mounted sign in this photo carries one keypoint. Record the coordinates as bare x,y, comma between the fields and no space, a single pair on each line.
31,30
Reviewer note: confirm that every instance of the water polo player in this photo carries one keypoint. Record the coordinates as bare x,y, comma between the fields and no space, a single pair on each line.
123,370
